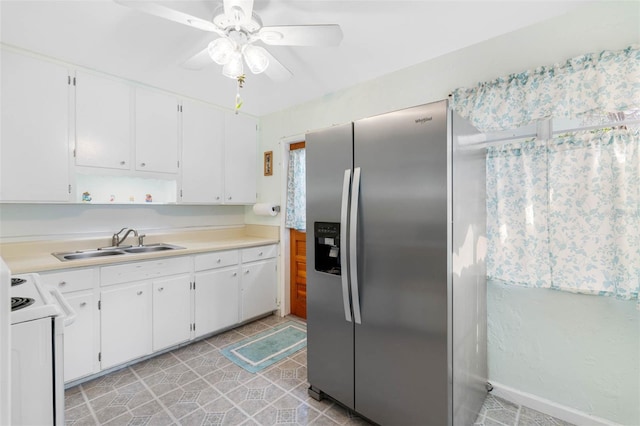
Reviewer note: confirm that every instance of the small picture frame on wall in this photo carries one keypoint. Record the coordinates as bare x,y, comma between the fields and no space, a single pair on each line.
268,163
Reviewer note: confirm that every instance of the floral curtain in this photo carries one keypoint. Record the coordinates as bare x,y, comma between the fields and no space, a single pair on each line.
566,214
296,215
603,82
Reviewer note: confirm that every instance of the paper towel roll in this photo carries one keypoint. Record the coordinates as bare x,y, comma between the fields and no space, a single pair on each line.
263,209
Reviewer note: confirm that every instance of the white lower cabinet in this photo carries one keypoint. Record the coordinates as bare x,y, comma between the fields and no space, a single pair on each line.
81,338
171,311
79,354
126,323
216,300
259,289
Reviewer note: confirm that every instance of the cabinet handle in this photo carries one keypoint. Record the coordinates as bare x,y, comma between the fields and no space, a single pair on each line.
83,304
122,163
217,198
246,272
143,164
139,292
235,274
229,197
161,288
260,254
219,260
61,283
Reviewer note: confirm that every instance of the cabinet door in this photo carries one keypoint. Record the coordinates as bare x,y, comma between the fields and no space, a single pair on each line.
171,311
259,292
80,354
240,159
202,139
34,165
156,132
103,117
217,297
125,323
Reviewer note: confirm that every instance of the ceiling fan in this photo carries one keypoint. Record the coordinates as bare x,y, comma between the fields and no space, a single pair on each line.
240,30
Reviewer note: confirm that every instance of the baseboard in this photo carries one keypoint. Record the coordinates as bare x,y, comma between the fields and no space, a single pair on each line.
546,406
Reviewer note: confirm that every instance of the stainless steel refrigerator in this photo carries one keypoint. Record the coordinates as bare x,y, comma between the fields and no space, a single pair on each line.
396,287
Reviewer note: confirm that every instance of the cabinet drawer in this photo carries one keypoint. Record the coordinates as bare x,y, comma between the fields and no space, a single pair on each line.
71,280
259,253
216,259
144,270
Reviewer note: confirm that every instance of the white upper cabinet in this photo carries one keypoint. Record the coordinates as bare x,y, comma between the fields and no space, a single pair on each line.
103,122
156,132
202,154
35,130
240,152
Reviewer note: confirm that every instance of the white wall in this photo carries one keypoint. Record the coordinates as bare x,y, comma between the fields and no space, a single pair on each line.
596,27
22,221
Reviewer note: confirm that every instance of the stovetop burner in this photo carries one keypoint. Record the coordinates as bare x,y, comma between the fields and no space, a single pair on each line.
17,281
20,302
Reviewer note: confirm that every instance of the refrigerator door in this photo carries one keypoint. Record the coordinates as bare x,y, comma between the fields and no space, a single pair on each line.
329,153
401,361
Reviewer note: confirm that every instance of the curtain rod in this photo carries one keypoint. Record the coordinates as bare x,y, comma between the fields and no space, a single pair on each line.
480,140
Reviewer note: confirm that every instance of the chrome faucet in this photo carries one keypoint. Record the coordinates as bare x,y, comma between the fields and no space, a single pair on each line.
116,240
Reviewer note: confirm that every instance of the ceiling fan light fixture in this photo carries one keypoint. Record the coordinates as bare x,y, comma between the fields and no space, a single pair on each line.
221,50
256,58
234,67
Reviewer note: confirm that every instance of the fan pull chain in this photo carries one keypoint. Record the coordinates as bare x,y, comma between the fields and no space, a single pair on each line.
240,79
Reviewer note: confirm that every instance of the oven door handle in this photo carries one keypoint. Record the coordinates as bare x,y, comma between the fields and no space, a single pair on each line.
69,313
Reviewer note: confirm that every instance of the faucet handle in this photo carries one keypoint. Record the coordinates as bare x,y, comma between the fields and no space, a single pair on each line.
141,240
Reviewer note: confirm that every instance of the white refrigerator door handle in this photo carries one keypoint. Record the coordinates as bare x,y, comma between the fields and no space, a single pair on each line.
69,313
353,245
343,242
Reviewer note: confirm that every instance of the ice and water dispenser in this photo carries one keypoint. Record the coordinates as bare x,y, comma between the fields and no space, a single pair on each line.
327,247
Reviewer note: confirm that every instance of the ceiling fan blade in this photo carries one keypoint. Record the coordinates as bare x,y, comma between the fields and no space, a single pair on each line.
301,35
171,14
238,11
198,61
276,71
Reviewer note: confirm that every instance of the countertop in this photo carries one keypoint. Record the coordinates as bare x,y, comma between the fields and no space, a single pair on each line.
35,256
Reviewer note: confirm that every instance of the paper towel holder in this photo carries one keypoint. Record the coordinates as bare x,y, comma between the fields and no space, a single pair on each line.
265,209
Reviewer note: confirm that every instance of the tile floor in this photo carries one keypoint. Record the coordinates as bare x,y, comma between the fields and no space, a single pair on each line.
197,385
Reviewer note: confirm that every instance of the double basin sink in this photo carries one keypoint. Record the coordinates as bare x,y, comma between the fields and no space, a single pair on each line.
114,251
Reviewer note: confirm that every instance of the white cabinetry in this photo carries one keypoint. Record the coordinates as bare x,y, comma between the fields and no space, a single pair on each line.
126,311
202,154
125,323
103,122
171,311
81,341
217,290
156,121
34,165
259,281
240,152
133,298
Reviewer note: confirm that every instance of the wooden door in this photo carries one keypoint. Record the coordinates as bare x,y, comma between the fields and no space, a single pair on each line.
298,277
298,273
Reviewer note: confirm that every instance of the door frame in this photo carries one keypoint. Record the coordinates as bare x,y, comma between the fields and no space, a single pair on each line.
285,243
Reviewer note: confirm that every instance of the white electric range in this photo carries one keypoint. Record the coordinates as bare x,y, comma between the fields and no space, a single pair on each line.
38,316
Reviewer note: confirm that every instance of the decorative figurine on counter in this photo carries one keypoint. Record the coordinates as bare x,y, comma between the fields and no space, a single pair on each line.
86,197
148,198
112,198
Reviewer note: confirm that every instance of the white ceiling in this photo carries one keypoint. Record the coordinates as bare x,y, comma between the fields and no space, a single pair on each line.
379,37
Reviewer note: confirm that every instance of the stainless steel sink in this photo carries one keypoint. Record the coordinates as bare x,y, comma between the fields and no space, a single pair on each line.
87,254
152,248
114,251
